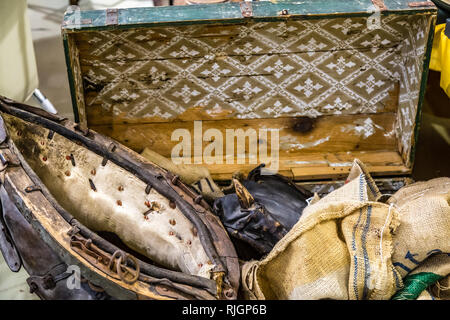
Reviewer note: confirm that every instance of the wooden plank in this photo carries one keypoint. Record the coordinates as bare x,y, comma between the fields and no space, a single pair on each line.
124,111
75,80
326,151
424,77
342,172
321,166
296,135
126,42
385,185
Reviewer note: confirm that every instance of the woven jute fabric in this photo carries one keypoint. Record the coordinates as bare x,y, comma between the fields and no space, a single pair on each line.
422,240
428,281
424,216
340,248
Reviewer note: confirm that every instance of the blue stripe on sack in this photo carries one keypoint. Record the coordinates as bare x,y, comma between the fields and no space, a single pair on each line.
354,230
355,258
397,282
366,256
355,276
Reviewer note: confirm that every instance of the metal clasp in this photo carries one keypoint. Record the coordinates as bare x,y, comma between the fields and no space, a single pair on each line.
421,4
246,9
112,16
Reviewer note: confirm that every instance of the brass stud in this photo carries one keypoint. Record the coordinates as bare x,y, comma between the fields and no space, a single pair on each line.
93,172
171,233
145,217
120,188
147,203
189,242
68,158
172,204
200,265
172,222
119,202
42,143
44,158
67,173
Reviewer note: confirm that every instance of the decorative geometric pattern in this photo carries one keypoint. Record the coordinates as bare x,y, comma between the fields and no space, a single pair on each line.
257,70
410,68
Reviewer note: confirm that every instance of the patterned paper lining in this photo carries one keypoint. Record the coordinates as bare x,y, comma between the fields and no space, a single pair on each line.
257,70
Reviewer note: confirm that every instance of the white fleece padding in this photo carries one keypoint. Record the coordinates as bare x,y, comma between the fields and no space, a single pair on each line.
117,205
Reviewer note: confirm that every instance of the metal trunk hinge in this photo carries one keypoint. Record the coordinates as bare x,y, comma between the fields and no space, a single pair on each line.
246,9
421,4
379,4
112,17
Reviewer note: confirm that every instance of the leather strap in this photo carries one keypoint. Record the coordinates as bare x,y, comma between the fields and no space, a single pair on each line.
48,281
8,248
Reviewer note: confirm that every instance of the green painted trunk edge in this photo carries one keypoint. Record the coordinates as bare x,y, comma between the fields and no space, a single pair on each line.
230,13
425,71
71,78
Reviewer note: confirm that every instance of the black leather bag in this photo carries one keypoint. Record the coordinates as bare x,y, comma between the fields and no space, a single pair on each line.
262,209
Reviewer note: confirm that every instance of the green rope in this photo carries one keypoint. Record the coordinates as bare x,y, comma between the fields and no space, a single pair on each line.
415,284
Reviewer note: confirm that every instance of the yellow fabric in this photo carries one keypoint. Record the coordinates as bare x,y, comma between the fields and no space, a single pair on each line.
440,57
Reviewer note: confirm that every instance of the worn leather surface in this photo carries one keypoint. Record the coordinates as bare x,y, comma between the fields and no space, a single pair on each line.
38,259
277,207
106,197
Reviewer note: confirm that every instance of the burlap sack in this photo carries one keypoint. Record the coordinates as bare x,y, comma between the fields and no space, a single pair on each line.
340,249
424,216
428,280
422,240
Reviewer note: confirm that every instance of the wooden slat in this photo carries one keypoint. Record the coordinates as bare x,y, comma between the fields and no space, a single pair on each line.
385,185
326,151
75,79
320,166
328,134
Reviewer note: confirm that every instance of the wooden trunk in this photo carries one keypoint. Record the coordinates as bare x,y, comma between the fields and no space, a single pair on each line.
337,80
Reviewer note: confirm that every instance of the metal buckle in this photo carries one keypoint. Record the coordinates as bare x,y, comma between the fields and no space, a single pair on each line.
421,4
115,265
246,9
112,16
